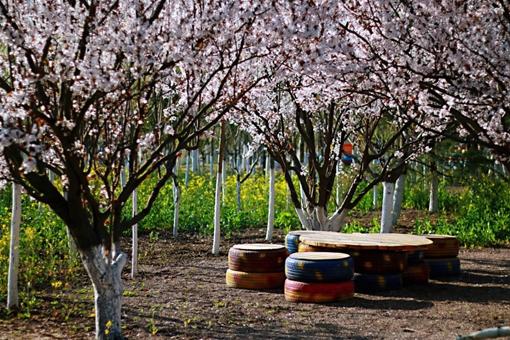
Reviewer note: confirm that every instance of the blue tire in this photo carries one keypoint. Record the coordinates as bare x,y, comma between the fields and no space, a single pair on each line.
415,257
334,270
446,267
292,242
371,283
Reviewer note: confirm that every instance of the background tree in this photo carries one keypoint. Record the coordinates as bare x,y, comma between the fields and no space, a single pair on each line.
456,57
81,82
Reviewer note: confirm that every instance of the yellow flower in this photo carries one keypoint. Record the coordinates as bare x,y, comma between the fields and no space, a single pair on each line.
56,284
30,233
108,325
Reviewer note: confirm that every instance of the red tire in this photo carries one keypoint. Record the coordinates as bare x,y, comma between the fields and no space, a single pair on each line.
296,291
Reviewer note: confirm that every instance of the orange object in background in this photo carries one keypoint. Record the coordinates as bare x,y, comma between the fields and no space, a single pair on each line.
347,148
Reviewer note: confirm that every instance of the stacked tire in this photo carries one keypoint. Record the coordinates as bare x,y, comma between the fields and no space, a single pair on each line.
417,271
319,277
376,270
256,266
292,240
442,256
379,270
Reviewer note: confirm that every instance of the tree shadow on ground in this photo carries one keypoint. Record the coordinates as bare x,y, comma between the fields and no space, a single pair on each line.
203,327
454,291
483,277
487,262
386,304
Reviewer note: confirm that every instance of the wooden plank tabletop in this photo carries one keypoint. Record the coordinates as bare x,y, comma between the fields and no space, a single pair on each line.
319,256
259,246
394,242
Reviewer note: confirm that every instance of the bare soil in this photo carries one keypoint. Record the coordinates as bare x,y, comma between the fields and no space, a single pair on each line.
180,293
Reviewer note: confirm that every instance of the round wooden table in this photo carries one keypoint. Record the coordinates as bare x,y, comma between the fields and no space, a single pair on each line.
359,241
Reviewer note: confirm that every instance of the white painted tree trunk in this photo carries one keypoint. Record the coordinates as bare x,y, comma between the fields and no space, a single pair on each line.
434,193
304,201
123,176
397,199
134,244
375,191
387,205
177,166
338,176
217,196
247,163
223,181
337,221
270,214
267,165
12,278
317,219
194,161
177,205
105,275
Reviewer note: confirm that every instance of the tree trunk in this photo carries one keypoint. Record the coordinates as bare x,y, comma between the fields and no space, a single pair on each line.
211,160
387,205
268,166
194,161
70,241
398,198
223,179
123,176
304,201
177,166
317,219
270,214
338,172
434,188
177,205
105,275
337,221
134,244
186,174
246,160
12,279
217,198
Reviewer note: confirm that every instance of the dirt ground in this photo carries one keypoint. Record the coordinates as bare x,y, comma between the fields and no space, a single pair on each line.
180,293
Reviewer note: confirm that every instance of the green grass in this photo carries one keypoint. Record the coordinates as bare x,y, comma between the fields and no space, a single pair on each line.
478,216
44,252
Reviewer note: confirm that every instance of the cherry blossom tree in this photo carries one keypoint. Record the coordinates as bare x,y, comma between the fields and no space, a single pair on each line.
281,118
456,54
340,89
87,84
